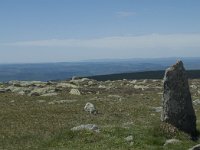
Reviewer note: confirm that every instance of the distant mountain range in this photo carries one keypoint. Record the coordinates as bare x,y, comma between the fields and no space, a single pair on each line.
65,70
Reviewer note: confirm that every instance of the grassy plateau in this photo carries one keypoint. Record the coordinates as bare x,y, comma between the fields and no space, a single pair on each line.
125,108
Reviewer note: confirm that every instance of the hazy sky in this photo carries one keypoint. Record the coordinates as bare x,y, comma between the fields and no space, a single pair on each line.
72,30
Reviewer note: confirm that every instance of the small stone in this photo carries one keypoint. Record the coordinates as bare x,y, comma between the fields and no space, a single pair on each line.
51,103
89,127
127,124
171,141
140,87
2,90
21,93
67,101
157,109
66,85
102,87
129,138
75,92
84,79
89,107
41,91
196,102
133,81
61,101
144,81
114,96
41,101
193,87
90,83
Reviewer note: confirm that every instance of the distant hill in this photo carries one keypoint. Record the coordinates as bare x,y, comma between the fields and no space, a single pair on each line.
192,74
65,70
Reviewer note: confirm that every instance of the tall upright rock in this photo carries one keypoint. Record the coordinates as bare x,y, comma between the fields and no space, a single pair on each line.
177,101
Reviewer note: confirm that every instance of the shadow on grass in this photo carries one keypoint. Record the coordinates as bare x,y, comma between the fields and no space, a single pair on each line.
195,135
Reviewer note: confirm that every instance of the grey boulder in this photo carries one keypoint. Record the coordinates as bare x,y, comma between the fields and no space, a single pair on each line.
177,101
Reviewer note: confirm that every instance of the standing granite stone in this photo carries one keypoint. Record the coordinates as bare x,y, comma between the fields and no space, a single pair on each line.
177,101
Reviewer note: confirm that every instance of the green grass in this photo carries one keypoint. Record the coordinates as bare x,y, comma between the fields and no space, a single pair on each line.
29,124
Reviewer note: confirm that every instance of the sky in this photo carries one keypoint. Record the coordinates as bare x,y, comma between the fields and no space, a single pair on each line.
33,31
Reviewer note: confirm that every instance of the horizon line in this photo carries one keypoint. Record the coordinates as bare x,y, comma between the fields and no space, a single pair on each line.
101,60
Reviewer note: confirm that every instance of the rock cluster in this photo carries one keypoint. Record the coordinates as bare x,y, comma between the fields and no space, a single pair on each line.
177,102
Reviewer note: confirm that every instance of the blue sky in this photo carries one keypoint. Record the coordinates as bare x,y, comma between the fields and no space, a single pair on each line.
74,30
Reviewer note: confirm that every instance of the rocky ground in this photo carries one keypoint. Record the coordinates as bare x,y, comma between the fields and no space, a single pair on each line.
89,114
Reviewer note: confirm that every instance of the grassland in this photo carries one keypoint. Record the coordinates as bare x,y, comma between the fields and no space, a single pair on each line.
124,109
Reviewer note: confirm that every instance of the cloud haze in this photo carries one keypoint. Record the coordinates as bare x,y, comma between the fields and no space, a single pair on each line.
170,41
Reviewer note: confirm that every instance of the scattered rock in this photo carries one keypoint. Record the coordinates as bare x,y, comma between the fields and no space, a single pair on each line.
114,96
127,124
84,79
129,138
172,141
34,94
3,90
133,81
196,147
14,89
75,92
80,81
33,83
177,102
50,83
14,82
27,83
140,87
51,103
193,87
157,109
41,101
18,90
68,101
89,127
90,83
102,87
144,81
50,94
21,93
66,85
42,91
196,102
61,101
89,107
